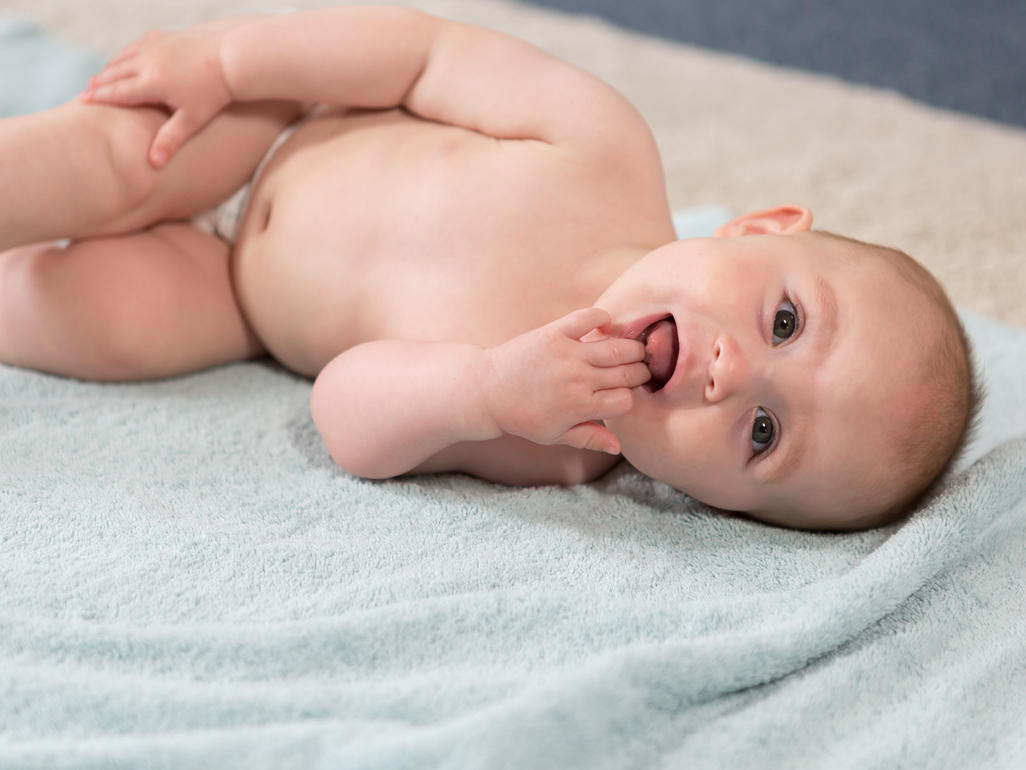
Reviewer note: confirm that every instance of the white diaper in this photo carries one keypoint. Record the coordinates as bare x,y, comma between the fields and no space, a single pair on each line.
224,219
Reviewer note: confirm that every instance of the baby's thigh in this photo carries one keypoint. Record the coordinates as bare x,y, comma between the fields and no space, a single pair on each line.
205,171
139,306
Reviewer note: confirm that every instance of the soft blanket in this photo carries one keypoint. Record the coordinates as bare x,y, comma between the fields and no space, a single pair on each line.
187,581
37,72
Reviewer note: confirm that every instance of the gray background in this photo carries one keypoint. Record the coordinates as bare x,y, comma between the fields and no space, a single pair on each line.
957,54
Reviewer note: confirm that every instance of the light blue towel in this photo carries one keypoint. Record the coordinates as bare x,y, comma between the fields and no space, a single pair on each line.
36,71
187,581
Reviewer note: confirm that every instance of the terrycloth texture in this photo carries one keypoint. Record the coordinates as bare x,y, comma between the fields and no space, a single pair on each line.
37,72
186,581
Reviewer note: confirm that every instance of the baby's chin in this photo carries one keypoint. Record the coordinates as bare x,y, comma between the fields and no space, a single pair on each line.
727,498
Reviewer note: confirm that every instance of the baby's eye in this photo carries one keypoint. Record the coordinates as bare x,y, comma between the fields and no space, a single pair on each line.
762,432
785,322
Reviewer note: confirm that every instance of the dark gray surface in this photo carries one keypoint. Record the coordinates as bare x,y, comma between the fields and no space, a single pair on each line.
963,55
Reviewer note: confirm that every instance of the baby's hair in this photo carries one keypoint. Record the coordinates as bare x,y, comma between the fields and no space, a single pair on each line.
927,456
951,360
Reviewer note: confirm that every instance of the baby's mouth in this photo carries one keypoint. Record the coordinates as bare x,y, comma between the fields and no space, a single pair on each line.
661,349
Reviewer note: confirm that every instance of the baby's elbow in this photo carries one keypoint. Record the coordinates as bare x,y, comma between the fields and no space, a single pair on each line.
348,455
342,443
358,466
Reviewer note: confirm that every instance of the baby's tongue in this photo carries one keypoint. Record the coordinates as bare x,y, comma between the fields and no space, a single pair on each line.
661,351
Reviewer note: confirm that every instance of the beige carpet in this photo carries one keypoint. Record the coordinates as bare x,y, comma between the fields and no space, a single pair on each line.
947,188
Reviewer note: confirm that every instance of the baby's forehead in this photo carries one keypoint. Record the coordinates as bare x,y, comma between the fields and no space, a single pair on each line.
890,265
866,394
870,271
852,463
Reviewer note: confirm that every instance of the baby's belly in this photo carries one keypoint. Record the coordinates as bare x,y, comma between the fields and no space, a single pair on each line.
383,226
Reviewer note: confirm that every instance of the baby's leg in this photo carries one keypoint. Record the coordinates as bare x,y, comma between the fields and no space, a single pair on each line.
79,171
139,306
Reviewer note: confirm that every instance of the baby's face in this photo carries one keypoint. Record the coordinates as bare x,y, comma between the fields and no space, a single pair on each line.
787,371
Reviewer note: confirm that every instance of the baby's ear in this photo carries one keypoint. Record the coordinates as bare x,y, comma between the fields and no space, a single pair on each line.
779,220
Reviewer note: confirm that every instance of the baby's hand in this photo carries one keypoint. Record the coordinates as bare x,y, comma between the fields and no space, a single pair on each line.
548,386
181,70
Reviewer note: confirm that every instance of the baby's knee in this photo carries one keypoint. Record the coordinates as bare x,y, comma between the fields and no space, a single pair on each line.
118,140
129,132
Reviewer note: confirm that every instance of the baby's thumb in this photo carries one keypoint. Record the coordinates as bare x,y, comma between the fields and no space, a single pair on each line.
592,435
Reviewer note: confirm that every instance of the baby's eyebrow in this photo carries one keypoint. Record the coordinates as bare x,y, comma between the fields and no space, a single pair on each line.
826,317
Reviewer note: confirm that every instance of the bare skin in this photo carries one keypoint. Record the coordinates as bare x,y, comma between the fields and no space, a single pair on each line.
413,213
462,246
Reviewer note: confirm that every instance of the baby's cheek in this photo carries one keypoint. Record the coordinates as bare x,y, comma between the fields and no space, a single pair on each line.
702,472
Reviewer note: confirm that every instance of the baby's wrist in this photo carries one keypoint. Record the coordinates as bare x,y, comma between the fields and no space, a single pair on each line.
224,64
480,377
235,46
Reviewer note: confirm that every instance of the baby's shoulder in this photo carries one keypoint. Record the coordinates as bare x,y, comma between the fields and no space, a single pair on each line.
601,121
612,141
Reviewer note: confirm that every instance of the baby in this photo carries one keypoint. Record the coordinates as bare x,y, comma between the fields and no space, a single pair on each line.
468,244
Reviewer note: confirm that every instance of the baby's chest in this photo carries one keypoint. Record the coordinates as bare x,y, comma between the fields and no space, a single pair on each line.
409,230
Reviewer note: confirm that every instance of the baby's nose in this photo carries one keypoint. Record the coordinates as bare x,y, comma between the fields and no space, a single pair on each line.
728,369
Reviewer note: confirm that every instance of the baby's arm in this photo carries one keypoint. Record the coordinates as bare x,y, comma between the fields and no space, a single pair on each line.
386,407
380,57
377,57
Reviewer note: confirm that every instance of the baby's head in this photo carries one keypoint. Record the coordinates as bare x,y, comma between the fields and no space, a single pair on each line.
806,379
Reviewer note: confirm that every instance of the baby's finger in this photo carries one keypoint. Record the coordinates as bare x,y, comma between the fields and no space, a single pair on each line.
591,435
614,351
127,92
629,375
611,402
112,74
172,135
580,322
